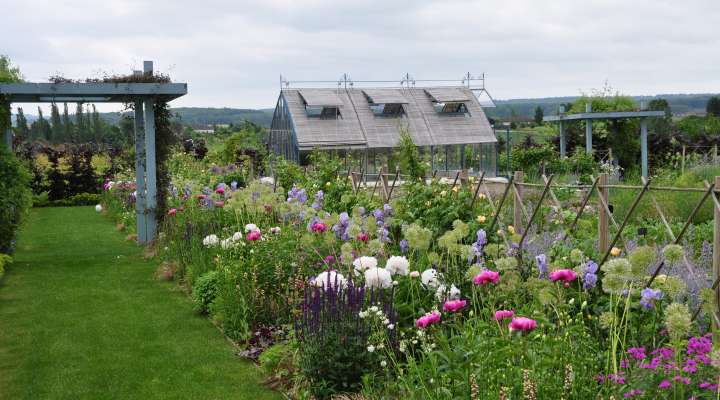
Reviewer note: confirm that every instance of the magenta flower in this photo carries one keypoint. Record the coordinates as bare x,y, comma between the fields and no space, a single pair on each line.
363,237
664,384
253,236
454,305
637,353
486,277
428,319
504,314
522,324
220,203
564,275
172,212
220,190
318,227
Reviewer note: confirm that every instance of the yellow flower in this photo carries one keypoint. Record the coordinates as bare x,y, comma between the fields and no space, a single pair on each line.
614,252
481,196
511,229
443,193
327,184
480,219
456,189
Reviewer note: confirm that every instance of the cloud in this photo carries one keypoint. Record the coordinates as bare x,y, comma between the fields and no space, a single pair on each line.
232,53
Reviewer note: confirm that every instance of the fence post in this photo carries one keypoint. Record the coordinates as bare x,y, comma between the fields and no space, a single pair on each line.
603,216
517,203
716,253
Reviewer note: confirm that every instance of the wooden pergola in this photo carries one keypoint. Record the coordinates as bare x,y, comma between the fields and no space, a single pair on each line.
588,116
144,96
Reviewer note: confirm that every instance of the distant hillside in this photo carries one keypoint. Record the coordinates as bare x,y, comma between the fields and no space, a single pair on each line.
680,104
200,116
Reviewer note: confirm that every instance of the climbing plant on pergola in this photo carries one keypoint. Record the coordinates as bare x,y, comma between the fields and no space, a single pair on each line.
143,91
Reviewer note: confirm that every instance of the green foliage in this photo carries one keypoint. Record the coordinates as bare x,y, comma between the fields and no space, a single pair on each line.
713,106
245,147
539,114
204,291
5,260
80,199
15,198
410,161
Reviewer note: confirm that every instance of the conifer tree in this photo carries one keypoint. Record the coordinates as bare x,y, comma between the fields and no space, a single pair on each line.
56,124
67,125
22,126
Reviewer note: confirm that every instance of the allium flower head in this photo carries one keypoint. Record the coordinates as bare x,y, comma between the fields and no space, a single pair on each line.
677,320
673,253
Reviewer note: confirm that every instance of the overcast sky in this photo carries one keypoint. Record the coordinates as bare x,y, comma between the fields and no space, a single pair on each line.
231,53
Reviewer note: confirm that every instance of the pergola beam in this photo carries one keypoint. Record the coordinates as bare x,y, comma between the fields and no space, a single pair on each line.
89,92
603,115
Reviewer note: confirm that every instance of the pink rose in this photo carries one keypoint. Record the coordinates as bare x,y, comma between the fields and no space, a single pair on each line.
522,324
485,277
504,314
454,305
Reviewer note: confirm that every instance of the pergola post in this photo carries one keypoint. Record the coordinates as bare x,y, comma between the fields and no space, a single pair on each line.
588,130
8,130
643,144
150,165
140,162
562,139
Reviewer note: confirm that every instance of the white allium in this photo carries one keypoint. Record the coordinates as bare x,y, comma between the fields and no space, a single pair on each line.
98,208
237,236
251,228
211,240
378,278
397,265
430,278
330,279
363,263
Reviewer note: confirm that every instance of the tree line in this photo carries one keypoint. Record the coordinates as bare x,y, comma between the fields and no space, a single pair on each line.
84,126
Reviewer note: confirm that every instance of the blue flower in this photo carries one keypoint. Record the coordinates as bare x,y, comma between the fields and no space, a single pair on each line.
648,297
542,264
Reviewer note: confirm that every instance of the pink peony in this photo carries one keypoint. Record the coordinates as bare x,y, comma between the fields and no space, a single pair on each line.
522,324
220,203
363,237
486,276
565,275
318,227
428,319
253,236
220,190
172,212
504,314
454,305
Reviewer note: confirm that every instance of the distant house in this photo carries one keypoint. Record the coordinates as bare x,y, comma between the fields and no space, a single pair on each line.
447,124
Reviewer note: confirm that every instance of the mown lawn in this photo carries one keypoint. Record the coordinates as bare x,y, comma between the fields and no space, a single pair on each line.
82,317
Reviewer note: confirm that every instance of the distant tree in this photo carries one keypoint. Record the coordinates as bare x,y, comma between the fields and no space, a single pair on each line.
67,125
660,126
713,106
80,128
22,126
97,125
411,162
539,114
56,124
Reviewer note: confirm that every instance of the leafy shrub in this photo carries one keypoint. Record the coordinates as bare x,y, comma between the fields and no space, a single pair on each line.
204,291
4,260
15,198
81,199
410,161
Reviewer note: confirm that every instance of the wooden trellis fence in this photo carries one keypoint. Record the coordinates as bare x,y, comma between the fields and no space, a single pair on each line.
523,220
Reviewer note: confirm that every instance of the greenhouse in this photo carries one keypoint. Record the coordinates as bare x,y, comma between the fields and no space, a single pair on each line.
363,125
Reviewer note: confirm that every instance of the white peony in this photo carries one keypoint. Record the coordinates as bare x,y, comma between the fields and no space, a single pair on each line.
251,228
211,240
98,208
363,263
237,236
430,278
378,278
442,294
330,279
397,265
